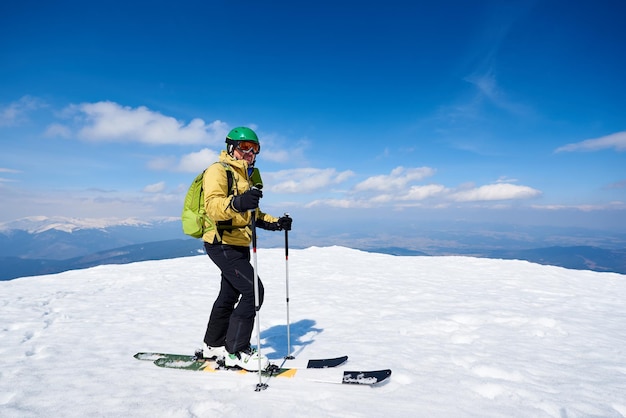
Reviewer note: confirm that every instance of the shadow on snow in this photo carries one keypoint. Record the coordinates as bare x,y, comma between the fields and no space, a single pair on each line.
275,338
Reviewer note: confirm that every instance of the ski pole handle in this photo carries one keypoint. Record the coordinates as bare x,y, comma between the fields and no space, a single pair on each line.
286,215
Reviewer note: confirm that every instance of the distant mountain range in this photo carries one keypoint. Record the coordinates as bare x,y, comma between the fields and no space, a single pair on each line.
40,245
63,238
35,246
577,257
13,267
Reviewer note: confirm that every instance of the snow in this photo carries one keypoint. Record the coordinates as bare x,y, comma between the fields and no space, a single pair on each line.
465,337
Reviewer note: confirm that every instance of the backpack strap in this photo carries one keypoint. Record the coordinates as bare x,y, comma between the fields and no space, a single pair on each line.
229,178
226,225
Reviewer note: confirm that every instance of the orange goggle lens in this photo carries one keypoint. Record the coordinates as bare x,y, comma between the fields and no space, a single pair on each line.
247,146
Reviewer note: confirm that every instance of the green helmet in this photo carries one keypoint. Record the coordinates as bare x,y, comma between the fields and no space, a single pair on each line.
242,134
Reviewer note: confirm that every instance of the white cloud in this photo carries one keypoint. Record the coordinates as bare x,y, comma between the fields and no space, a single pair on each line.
616,141
343,176
197,161
415,193
194,162
383,198
8,171
491,192
306,180
155,188
58,130
15,112
394,191
279,149
109,121
396,180
505,179
336,203
424,192
280,156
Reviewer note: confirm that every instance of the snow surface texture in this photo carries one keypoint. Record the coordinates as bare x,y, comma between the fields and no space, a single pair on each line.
465,337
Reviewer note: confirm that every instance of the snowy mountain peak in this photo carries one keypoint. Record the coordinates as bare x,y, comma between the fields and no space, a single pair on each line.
39,224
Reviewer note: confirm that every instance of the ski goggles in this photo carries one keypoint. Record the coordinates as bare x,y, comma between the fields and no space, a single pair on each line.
248,146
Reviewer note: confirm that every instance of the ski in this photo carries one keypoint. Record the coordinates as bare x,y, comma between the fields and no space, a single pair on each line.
292,364
370,377
322,363
318,374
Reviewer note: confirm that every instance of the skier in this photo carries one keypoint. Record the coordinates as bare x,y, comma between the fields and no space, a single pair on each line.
229,200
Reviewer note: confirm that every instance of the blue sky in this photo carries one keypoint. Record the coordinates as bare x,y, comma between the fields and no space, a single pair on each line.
511,112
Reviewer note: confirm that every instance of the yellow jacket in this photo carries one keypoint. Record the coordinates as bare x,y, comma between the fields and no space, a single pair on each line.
232,227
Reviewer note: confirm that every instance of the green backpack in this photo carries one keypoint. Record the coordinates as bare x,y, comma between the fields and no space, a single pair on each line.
194,218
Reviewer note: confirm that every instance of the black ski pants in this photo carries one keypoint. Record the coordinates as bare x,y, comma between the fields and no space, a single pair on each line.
232,317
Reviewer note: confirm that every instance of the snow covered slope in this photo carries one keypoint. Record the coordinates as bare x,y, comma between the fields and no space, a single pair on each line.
465,337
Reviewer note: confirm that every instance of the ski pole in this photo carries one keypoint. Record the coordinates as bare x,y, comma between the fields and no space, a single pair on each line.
257,302
257,183
289,356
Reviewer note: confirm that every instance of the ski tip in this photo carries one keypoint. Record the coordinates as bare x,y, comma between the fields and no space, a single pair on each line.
148,356
325,363
372,377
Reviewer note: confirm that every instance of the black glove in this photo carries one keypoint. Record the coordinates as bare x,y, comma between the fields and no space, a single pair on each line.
284,223
247,201
268,226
